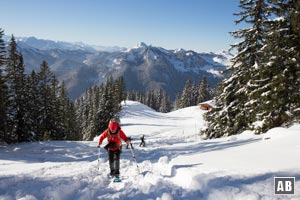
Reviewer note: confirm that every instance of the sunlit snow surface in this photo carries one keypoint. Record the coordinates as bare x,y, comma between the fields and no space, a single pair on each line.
175,164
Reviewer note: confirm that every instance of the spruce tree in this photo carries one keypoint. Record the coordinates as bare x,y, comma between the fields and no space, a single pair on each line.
3,99
98,106
186,97
234,112
2,49
34,105
16,84
279,78
204,92
56,113
3,92
108,108
177,103
120,89
66,115
165,105
10,74
21,118
45,112
150,99
263,91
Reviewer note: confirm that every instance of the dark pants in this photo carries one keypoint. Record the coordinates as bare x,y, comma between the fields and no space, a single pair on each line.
114,162
127,147
142,143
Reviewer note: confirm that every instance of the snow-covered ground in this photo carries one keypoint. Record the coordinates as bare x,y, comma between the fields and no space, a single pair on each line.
175,164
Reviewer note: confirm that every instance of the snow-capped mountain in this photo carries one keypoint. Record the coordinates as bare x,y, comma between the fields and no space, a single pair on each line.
143,66
43,44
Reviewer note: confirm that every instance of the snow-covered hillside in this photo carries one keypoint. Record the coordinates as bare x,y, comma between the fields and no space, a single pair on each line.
175,164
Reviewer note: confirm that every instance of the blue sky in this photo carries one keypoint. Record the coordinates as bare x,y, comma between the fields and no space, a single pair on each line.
199,25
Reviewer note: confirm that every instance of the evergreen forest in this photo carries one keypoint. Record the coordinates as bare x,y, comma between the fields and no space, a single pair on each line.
263,90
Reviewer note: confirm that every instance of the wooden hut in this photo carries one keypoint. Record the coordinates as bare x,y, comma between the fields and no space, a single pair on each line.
207,105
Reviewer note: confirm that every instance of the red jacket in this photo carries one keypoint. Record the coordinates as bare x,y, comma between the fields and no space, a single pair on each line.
113,138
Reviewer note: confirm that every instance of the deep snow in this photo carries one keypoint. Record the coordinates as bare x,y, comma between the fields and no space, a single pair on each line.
175,164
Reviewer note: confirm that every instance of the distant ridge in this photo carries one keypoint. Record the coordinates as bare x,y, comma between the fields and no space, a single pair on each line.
143,66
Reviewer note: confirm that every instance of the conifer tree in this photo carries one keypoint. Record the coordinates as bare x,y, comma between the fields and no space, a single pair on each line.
263,91
33,106
89,115
16,83
21,118
3,92
56,114
150,99
2,49
233,112
3,99
278,94
67,119
203,93
120,89
177,103
186,97
45,113
99,105
165,105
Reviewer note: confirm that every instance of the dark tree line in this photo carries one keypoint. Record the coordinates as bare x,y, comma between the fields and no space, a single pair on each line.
264,89
98,105
157,100
193,94
33,107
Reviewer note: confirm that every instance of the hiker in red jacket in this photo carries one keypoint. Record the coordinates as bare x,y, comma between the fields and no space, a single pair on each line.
114,134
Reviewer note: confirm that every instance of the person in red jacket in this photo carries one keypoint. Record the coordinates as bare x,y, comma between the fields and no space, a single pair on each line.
114,135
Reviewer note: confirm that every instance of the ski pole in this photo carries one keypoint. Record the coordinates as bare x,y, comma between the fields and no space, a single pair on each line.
133,156
98,158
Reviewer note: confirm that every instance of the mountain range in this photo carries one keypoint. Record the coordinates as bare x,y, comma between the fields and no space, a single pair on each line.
143,66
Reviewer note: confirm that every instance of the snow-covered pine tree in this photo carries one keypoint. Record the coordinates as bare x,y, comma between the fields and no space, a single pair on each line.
294,17
158,95
88,116
81,114
278,94
150,99
108,106
165,105
28,104
194,94
98,106
233,113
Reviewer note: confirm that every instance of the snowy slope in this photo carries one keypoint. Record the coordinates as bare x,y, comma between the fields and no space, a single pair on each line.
175,164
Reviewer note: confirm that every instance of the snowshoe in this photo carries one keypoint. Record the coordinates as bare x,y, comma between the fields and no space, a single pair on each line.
117,180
